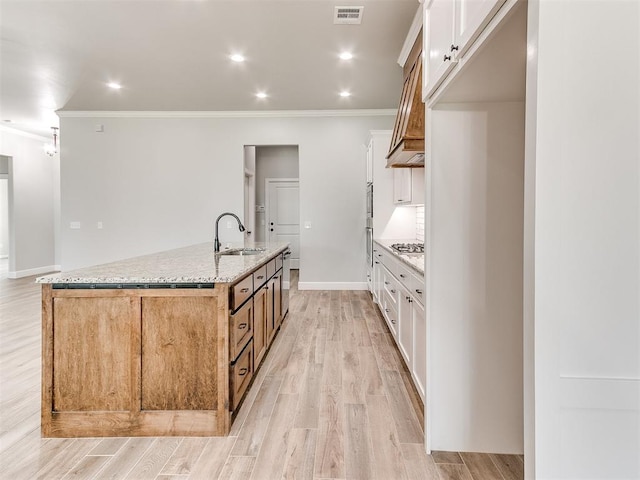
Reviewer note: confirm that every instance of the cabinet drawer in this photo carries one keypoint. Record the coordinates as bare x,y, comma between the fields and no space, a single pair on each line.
278,262
390,312
241,373
390,262
241,291
404,275
390,286
271,268
417,288
260,277
240,329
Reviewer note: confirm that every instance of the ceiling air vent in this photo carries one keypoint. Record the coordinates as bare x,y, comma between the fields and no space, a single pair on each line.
347,15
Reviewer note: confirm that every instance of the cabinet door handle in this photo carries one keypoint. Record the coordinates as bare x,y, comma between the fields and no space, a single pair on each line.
244,290
243,371
393,321
446,58
454,48
242,326
386,310
402,276
377,263
409,299
393,291
260,277
418,291
386,283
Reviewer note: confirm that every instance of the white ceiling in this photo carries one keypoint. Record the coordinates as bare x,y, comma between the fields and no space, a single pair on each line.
173,55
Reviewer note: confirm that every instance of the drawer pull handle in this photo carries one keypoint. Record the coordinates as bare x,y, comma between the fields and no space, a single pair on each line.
402,276
393,321
386,283
243,371
242,326
446,58
244,290
377,263
418,291
260,277
393,291
386,310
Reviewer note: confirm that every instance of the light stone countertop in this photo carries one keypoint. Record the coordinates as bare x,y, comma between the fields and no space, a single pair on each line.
415,261
194,264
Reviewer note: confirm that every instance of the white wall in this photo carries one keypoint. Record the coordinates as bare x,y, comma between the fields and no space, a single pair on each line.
583,205
32,203
278,161
475,293
159,183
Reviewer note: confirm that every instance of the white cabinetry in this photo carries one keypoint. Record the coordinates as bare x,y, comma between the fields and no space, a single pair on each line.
408,186
398,290
451,28
370,161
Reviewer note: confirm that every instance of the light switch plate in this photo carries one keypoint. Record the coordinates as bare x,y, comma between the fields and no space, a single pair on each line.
307,224
74,225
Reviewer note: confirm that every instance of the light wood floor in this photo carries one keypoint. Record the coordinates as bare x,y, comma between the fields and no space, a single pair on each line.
332,400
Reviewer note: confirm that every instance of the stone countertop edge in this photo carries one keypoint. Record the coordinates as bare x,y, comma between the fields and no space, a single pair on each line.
416,262
193,264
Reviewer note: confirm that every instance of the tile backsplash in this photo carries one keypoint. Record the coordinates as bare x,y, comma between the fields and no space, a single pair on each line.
420,223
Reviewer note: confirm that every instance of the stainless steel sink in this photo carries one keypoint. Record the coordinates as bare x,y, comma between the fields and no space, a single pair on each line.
242,251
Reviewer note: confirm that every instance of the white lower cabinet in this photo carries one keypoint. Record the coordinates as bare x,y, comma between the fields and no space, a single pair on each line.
405,329
419,365
398,291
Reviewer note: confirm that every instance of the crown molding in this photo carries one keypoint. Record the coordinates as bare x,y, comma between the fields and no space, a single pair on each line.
228,114
416,25
22,133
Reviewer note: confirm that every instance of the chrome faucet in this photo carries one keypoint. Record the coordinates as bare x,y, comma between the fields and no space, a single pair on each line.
216,241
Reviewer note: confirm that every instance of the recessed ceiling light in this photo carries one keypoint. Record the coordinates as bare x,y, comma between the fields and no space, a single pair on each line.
114,85
346,56
261,95
236,57
345,94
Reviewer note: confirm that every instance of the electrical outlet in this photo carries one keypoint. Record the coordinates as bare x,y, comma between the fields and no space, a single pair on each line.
74,225
99,225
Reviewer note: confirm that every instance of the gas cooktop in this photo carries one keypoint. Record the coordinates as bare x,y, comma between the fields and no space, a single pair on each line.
417,248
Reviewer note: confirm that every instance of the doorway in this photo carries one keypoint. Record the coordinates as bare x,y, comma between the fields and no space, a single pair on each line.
4,217
276,163
282,214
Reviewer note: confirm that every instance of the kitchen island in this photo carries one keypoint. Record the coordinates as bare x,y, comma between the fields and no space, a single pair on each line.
160,345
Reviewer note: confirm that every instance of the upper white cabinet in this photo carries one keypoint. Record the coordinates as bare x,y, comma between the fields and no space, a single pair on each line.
408,186
451,28
370,161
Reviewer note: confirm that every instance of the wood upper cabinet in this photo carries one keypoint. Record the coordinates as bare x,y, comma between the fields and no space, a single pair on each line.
407,140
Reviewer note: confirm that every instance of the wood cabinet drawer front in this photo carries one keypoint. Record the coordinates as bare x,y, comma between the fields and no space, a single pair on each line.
241,373
260,277
241,329
241,291
271,268
278,262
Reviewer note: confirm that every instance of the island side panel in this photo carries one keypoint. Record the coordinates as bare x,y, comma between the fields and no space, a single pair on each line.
179,371
224,390
132,420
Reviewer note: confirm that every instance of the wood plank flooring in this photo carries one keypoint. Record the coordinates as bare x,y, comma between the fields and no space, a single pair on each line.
331,401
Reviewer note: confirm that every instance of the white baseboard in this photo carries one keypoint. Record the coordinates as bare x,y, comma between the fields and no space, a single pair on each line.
332,285
35,271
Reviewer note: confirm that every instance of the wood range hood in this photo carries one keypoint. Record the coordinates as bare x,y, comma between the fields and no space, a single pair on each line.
407,141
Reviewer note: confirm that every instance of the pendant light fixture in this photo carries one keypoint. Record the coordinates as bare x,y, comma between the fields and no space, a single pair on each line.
50,149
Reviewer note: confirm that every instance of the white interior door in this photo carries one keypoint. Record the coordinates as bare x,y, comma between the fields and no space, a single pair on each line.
283,214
